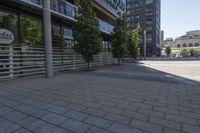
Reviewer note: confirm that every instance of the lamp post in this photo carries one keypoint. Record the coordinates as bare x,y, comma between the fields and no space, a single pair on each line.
145,45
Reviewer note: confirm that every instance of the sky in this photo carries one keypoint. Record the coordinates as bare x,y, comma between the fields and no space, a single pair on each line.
179,16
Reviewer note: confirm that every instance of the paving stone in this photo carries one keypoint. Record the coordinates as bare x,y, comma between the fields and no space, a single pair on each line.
9,102
5,110
22,130
75,126
119,128
31,123
111,109
142,105
8,127
135,115
181,119
118,118
165,123
152,112
92,104
168,130
167,110
15,116
146,126
127,107
32,110
97,130
190,115
50,129
191,129
54,119
95,112
76,115
98,122
1,120
57,109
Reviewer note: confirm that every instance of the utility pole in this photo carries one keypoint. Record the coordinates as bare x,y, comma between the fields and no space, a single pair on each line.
47,38
145,44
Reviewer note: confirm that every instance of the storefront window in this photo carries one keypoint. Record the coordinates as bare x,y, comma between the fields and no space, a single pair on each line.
56,35
9,21
67,32
31,31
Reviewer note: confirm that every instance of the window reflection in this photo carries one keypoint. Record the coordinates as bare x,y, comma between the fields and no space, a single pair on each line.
104,26
9,21
31,31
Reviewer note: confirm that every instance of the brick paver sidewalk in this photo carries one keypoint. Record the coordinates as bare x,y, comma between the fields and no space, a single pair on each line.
98,103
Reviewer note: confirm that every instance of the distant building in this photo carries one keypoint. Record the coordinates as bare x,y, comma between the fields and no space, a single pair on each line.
146,13
192,33
167,41
162,38
191,40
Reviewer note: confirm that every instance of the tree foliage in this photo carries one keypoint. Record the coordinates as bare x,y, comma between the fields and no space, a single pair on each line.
86,32
168,51
185,52
194,52
119,38
133,48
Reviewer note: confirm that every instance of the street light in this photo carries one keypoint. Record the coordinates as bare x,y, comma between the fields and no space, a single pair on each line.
145,46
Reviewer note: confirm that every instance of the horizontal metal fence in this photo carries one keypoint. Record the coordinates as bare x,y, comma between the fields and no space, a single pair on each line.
18,60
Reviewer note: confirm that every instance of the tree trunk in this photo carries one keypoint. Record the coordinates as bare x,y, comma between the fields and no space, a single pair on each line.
88,66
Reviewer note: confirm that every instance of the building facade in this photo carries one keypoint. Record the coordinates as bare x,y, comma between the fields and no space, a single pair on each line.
146,13
27,21
191,40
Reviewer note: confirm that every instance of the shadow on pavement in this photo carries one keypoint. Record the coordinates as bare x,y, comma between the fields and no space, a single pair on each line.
139,72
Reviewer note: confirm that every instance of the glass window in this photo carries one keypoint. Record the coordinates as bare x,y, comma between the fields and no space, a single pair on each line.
56,35
67,32
61,7
9,21
190,45
31,31
197,44
184,45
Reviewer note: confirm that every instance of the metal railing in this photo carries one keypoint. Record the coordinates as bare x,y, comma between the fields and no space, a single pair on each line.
18,60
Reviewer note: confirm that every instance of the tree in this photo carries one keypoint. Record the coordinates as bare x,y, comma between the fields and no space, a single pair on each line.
119,39
86,32
168,51
133,48
184,52
193,52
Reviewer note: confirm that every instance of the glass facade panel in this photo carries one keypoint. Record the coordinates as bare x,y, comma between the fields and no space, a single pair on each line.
64,8
31,31
9,21
38,2
56,35
104,26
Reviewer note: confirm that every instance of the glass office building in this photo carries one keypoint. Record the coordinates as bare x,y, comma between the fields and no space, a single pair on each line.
25,19
146,13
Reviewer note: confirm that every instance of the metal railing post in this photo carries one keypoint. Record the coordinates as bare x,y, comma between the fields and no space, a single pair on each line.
11,70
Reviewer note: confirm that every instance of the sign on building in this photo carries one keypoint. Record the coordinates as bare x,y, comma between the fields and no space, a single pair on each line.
6,37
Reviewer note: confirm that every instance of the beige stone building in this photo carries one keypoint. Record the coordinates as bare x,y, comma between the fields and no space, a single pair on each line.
191,40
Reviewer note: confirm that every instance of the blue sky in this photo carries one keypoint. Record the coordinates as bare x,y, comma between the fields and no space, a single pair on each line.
179,16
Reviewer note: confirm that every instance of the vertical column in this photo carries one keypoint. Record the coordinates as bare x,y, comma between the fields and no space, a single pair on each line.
11,71
47,37
145,44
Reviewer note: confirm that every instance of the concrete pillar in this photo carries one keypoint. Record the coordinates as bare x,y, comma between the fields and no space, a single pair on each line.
47,38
